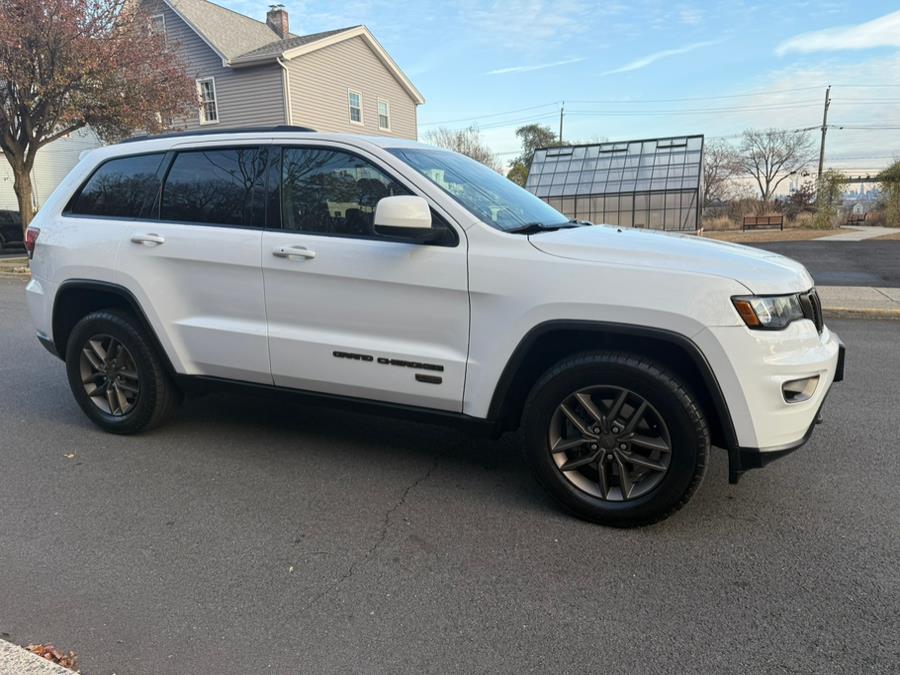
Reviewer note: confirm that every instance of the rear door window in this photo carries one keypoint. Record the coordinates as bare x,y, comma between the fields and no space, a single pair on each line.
216,186
120,188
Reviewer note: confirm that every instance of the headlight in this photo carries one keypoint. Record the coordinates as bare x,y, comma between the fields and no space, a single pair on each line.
772,312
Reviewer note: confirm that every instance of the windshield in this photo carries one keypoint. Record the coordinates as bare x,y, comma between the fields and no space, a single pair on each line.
485,193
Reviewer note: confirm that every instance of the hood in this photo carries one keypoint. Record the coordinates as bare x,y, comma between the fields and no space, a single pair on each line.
760,271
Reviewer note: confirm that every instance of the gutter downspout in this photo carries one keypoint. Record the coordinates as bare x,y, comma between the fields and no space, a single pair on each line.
286,88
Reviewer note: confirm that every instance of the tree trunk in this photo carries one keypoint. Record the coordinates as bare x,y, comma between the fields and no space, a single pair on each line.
24,194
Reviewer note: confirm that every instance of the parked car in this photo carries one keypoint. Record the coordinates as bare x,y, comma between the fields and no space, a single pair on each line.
403,279
10,230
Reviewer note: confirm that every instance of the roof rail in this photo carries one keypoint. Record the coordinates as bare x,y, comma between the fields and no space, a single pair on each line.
215,132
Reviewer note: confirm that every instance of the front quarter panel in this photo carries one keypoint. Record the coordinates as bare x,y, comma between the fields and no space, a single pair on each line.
515,287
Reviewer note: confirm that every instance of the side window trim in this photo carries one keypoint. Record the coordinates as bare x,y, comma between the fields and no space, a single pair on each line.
279,150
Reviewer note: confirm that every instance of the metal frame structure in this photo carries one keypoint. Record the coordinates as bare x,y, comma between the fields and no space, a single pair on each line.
653,183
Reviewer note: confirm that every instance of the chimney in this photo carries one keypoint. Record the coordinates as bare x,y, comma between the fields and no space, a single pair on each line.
277,20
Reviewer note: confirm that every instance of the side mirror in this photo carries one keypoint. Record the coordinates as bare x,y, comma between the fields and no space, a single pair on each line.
404,217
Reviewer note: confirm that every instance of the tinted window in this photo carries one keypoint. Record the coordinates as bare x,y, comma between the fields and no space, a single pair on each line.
123,188
218,186
332,192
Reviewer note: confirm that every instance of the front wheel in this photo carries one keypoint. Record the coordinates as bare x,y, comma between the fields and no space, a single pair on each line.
116,375
616,438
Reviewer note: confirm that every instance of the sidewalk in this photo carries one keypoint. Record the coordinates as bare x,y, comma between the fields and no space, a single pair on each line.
860,302
860,233
15,660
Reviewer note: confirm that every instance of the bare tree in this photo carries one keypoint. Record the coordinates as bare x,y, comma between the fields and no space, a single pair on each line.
772,156
720,165
67,64
465,141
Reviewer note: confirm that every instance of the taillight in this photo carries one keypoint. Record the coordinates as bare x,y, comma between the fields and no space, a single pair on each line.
31,237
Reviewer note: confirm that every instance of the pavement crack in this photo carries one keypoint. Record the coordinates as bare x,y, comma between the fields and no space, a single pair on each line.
382,533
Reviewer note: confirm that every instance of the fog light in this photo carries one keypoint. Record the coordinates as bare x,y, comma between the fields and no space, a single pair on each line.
797,391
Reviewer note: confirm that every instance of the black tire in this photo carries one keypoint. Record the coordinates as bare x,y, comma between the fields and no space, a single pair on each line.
158,397
669,399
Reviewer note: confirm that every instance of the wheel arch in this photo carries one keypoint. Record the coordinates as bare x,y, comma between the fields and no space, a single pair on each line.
77,298
549,342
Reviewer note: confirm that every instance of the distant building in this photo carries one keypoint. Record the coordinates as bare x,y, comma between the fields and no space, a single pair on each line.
654,184
51,165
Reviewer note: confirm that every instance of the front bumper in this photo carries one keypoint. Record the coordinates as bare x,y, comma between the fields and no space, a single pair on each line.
742,459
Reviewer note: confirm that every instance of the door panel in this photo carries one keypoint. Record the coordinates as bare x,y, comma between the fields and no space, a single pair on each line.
368,301
205,286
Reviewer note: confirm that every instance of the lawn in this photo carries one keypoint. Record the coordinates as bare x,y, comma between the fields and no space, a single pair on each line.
762,236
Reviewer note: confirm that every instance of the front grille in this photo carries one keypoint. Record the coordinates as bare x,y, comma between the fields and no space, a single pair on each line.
812,308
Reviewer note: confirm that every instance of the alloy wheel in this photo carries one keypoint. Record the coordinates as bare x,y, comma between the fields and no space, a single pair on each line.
109,375
610,442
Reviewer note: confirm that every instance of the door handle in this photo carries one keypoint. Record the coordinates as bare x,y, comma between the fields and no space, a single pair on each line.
292,252
148,239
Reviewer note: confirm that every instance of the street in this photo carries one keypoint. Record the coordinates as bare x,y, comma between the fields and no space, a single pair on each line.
845,263
253,534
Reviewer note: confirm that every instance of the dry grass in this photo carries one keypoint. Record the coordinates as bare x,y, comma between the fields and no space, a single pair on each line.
890,237
763,236
16,266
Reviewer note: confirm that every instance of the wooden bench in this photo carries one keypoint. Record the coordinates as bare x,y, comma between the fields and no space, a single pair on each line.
762,222
856,219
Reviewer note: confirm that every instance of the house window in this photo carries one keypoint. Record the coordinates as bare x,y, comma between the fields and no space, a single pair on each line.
384,115
157,23
354,98
209,111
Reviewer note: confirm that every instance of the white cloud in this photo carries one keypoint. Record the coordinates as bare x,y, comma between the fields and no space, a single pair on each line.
528,69
881,32
645,61
514,23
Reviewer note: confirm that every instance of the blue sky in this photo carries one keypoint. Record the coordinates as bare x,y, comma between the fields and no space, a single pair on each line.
618,65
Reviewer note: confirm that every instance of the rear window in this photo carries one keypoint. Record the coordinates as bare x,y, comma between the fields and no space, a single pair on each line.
120,188
216,186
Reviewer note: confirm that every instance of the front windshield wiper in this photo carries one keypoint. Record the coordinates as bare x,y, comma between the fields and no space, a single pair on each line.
534,228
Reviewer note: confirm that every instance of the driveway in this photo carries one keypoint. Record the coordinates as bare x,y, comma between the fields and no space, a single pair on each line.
845,263
252,535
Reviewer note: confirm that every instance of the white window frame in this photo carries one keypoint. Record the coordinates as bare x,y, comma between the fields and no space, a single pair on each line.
362,115
387,114
161,18
215,100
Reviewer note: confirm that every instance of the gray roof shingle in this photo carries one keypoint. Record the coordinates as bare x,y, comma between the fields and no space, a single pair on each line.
230,33
281,46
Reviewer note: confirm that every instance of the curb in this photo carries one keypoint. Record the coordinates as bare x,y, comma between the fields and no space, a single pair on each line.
15,660
861,313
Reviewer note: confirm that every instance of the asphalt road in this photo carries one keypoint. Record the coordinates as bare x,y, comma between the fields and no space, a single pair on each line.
845,263
249,536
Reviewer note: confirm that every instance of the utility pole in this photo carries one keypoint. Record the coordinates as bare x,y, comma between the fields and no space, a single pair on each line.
562,110
824,129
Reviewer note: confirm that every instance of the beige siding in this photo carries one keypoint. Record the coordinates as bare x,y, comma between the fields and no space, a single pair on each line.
245,96
319,82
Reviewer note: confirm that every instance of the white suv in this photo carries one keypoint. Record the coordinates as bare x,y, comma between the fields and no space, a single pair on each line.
408,280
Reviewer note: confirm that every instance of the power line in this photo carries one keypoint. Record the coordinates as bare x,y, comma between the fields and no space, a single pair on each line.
499,114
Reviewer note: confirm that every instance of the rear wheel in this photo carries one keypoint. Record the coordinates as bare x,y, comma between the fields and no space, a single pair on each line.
616,438
116,375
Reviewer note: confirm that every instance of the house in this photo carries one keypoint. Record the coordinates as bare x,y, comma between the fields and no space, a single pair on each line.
255,73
